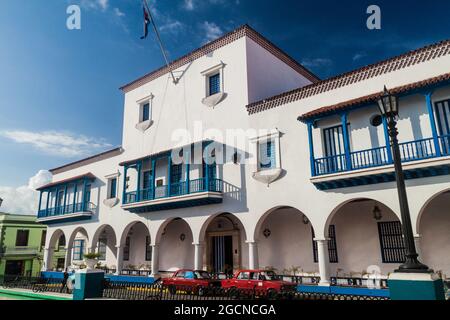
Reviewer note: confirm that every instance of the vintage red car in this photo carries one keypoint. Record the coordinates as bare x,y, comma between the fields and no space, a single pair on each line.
192,281
263,281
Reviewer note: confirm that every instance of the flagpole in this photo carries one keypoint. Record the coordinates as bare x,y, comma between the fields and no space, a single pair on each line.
159,40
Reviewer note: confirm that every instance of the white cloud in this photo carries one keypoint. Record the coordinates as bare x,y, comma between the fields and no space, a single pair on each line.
172,26
61,144
317,62
95,4
191,5
359,56
212,30
103,4
24,199
188,5
118,13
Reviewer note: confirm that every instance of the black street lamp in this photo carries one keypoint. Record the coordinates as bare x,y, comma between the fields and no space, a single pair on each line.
388,105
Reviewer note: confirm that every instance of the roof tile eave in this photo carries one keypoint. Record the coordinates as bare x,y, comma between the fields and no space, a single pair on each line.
88,175
407,59
371,98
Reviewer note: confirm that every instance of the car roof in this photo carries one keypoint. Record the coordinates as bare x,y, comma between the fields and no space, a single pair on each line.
252,270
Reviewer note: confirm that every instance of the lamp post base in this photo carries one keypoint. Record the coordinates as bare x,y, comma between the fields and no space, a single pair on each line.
413,266
416,286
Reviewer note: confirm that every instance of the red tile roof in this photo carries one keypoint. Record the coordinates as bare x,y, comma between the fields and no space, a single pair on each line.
372,98
228,38
89,176
374,70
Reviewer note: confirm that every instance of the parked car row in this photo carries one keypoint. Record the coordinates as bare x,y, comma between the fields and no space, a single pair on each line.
201,282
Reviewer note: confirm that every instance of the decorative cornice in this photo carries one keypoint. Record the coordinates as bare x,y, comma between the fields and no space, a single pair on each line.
372,98
411,58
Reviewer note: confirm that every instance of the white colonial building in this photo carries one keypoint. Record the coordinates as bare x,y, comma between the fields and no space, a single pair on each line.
307,185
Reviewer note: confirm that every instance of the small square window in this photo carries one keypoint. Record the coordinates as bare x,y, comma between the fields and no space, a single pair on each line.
22,238
214,84
159,182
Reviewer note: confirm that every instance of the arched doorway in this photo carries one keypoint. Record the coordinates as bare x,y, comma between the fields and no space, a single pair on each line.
77,245
285,242
224,239
104,243
175,249
136,247
364,234
433,226
56,260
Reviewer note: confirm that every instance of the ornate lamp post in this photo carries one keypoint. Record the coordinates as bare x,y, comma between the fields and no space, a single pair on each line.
388,105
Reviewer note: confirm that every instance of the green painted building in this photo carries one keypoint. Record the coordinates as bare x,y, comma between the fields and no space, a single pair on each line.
22,242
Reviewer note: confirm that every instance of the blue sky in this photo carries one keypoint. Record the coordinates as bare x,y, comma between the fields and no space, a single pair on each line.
52,78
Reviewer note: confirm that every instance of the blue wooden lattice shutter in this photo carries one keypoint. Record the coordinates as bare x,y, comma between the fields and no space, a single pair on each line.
267,155
214,84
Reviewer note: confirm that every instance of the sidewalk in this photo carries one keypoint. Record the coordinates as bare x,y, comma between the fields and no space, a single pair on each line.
24,294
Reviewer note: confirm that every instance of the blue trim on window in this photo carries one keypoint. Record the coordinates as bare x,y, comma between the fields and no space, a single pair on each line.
147,180
78,250
214,84
146,112
267,153
113,188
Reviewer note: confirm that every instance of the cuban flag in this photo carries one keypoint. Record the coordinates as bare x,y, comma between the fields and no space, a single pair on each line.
146,23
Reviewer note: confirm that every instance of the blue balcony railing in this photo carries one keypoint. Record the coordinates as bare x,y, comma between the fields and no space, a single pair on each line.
68,209
174,190
376,157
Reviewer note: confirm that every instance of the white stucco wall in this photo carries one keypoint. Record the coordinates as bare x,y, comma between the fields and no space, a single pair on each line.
267,75
435,234
176,253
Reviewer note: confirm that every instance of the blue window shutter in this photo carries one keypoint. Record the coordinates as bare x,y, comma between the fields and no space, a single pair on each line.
147,180
176,172
214,84
271,154
267,155
146,112
113,187
78,249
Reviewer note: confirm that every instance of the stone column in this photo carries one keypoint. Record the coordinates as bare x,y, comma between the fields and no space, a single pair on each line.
155,259
253,262
48,255
322,254
119,260
68,257
198,256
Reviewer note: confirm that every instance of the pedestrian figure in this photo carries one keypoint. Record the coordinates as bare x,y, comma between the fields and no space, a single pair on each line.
64,281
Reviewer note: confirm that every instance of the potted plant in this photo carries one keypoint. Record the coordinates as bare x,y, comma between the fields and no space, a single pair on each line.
91,260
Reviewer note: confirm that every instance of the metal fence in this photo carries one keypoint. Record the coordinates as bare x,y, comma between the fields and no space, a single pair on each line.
158,291
35,284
